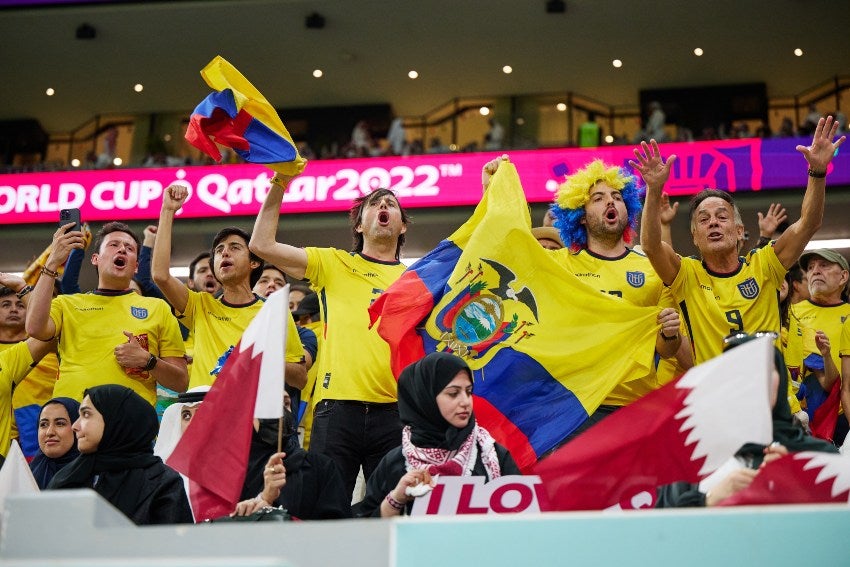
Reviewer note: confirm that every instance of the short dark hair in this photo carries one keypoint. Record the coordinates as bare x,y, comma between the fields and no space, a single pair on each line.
4,291
194,262
268,266
111,227
230,231
305,289
355,215
720,194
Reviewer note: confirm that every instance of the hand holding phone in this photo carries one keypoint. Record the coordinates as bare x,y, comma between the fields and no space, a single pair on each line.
70,215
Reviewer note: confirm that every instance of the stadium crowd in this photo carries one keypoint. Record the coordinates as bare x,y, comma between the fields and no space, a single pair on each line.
84,374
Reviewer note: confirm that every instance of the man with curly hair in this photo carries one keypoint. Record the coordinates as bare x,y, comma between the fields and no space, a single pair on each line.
596,211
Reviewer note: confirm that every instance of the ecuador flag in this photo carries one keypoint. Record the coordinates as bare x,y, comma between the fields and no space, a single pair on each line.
544,347
239,117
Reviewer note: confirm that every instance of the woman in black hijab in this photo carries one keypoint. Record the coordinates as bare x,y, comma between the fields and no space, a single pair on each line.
115,433
787,436
440,436
308,485
57,444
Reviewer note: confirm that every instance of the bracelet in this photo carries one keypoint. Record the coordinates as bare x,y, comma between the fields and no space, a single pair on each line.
23,291
395,504
816,174
48,272
276,180
666,338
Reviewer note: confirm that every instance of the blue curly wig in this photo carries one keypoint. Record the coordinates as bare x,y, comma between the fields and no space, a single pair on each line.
573,194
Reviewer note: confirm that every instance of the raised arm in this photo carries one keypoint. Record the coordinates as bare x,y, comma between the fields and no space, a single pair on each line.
143,274
39,324
830,371
667,214
655,172
791,244
290,259
172,288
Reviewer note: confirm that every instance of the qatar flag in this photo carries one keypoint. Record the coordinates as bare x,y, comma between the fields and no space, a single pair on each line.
681,432
213,452
799,478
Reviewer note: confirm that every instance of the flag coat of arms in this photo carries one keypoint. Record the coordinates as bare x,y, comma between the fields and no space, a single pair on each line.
544,347
239,117
213,452
683,431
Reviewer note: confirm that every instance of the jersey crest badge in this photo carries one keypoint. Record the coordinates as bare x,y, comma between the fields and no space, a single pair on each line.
749,288
636,279
139,312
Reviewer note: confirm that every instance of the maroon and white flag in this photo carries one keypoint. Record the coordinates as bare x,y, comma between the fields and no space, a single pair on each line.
798,478
213,452
682,432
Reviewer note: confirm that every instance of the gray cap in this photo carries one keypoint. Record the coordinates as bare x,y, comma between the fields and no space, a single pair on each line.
827,254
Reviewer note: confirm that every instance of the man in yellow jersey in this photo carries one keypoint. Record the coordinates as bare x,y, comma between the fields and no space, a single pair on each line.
217,323
596,211
272,279
307,316
844,353
111,335
32,393
28,395
357,421
721,292
816,326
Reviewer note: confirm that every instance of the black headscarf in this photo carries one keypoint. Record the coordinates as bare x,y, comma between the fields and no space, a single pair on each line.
418,386
785,431
264,445
124,451
43,467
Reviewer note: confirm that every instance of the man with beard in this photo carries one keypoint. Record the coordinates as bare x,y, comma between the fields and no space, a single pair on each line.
357,421
201,276
815,334
217,322
111,335
720,292
596,211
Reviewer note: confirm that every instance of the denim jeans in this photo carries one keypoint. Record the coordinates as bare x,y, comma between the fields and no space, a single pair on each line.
355,434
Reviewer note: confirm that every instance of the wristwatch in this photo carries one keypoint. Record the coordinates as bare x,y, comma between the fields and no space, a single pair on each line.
23,291
151,364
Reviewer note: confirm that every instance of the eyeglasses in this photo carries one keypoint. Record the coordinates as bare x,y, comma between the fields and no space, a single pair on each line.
740,337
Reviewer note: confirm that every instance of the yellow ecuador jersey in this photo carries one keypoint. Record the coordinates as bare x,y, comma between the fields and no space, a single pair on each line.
27,400
714,305
311,394
91,325
217,325
354,363
631,277
844,347
805,319
15,363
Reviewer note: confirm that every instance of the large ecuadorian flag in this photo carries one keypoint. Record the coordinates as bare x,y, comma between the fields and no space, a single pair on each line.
544,347
239,117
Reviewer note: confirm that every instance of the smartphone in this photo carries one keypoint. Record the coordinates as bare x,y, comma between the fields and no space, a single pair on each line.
70,215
